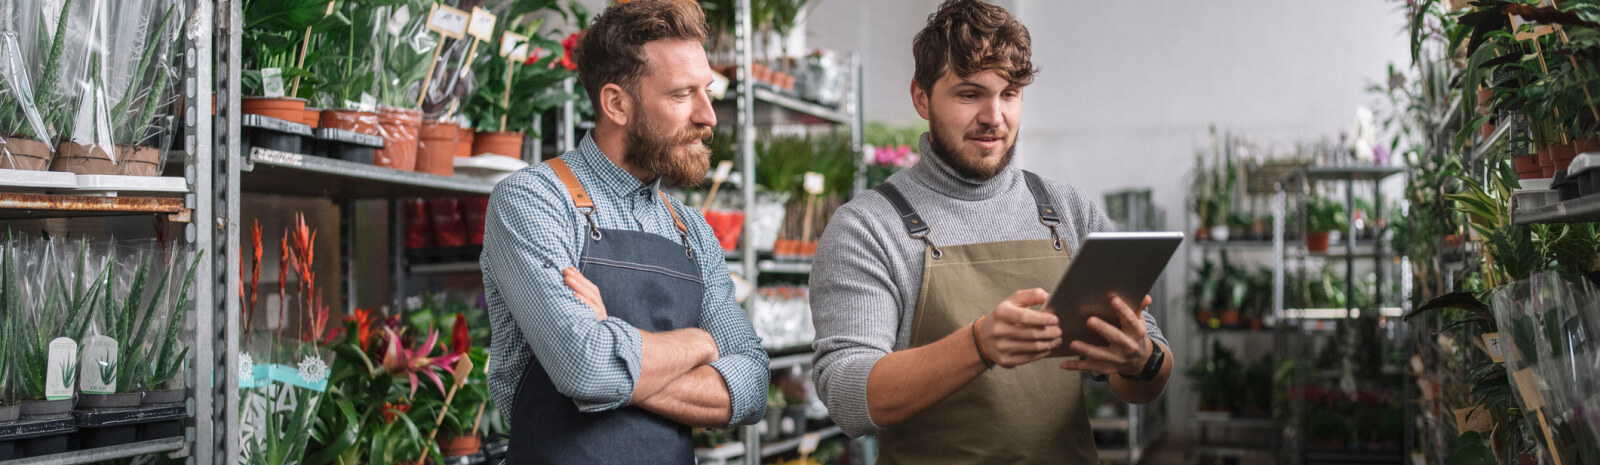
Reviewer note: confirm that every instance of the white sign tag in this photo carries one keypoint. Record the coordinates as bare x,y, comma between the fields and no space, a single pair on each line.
514,46
98,365
369,102
1497,352
723,170
272,82
719,86
814,183
449,22
482,24
61,376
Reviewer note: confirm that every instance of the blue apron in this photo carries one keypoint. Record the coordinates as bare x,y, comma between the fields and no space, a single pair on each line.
653,284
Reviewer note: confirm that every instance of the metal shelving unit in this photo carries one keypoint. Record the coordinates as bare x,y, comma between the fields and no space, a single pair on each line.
136,449
275,172
1579,210
14,205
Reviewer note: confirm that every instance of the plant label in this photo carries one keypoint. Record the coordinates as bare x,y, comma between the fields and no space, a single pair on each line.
808,443
1474,418
98,365
449,22
1578,338
814,183
1528,387
1538,30
514,47
61,375
272,82
724,169
1497,351
719,86
369,103
482,24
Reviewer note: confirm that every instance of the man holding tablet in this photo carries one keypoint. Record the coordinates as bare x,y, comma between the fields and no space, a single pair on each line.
915,291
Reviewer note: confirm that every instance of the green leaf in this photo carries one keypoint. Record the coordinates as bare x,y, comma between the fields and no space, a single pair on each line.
1473,449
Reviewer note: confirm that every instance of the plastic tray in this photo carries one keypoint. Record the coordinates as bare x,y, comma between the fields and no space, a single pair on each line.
34,429
349,137
133,416
34,180
110,183
491,163
274,124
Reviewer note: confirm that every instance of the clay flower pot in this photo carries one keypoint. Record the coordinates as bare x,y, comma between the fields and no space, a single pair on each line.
1317,241
93,159
25,154
464,142
400,130
456,446
364,122
1545,161
436,153
1591,145
1527,166
504,143
312,117
1562,155
1230,318
287,109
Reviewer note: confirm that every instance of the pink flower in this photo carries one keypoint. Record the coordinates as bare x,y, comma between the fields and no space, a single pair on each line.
398,359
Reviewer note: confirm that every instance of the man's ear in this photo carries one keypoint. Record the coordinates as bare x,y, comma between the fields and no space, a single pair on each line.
615,104
919,99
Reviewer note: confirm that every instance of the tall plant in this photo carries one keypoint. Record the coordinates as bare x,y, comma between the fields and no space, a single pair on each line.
26,90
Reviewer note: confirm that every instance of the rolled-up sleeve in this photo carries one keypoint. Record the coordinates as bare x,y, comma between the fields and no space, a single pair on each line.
528,242
741,360
856,310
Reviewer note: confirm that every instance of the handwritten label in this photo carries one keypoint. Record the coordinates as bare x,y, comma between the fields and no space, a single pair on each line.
272,82
449,22
98,371
61,376
723,170
482,24
514,46
1497,351
814,183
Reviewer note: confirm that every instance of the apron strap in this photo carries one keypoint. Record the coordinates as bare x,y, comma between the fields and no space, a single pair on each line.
915,227
575,190
1047,211
683,231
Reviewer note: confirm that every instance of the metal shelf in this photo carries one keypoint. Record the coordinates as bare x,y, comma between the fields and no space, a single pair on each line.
276,172
1263,451
424,269
794,442
790,361
773,103
1351,173
1335,313
773,266
22,206
1579,210
1265,245
1228,420
107,453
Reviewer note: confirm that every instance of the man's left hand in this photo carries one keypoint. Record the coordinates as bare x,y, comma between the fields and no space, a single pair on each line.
1127,349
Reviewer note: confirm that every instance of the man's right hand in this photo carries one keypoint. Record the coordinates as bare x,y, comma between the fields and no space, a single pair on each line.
1014,334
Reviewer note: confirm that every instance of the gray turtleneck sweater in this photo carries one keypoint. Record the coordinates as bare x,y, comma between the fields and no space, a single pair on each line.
867,272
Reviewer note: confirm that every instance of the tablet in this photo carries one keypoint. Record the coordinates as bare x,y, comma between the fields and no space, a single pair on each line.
1124,264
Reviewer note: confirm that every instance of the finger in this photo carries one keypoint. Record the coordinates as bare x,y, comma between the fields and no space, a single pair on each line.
1146,304
1089,366
1020,316
577,277
1010,346
1113,335
1125,313
1132,321
1096,353
1027,297
582,291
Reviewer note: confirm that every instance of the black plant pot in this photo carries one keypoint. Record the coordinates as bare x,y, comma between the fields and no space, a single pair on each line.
10,413
34,447
8,450
45,409
105,401
348,145
160,430
273,133
111,436
166,397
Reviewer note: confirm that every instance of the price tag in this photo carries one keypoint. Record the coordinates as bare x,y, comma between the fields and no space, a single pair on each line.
61,376
808,443
98,369
482,24
449,22
1497,351
723,170
514,46
272,82
814,183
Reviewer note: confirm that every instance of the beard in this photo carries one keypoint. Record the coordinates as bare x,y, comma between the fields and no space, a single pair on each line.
969,166
656,151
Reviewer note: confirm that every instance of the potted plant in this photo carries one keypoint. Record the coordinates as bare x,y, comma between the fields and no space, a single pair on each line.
402,59
32,111
504,119
277,36
1323,216
71,290
131,67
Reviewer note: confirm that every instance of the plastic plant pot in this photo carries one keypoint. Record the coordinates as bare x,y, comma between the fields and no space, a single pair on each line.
503,143
287,109
45,409
457,446
48,445
1317,241
104,401
163,397
93,159
311,117
160,430
109,436
464,139
436,150
10,413
400,130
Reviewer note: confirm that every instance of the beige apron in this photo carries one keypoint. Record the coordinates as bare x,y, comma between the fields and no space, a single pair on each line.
1031,414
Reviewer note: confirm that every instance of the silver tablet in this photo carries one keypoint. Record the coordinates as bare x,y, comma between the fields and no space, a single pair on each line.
1121,264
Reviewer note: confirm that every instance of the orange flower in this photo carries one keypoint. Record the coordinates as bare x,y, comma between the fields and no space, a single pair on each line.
567,45
392,411
363,321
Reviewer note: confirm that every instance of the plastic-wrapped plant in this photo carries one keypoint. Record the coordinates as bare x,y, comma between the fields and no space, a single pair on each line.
134,118
69,299
167,352
32,110
406,46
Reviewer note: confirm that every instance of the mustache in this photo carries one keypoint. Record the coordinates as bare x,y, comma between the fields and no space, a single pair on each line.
700,133
987,133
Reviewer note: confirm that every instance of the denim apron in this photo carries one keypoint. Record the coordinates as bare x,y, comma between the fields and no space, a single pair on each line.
653,284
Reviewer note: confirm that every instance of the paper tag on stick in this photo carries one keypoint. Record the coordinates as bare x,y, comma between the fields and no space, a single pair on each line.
449,22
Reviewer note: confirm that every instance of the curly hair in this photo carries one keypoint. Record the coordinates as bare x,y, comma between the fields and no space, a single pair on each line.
611,50
968,37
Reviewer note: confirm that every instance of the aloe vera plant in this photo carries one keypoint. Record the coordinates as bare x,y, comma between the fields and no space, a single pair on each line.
167,353
51,108
155,59
64,314
126,323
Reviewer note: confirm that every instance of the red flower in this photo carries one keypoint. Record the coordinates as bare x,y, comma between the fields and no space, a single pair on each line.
532,57
363,321
392,411
399,360
460,341
567,44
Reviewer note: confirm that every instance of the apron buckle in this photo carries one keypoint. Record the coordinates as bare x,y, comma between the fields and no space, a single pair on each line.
594,231
1056,236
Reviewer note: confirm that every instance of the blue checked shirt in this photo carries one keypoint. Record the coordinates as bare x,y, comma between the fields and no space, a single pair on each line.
533,231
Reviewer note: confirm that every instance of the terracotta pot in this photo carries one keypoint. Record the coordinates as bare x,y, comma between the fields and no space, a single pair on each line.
464,142
1317,241
1529,162
456,446
93,159
400,130
436,152
1255,323
1230,317
1545,160
1203,318
503,143
312,117
1587,146
287,109
25,154
364,122
1202,234
1486,130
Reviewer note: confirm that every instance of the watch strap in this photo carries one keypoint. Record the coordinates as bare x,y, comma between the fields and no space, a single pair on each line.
1152,366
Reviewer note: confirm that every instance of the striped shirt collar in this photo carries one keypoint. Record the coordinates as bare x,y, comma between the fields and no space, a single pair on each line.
617,182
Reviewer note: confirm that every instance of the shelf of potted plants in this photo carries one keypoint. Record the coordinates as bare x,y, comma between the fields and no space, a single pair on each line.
26,205
278,172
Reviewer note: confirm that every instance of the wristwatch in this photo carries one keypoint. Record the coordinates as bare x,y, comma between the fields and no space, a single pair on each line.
1152,367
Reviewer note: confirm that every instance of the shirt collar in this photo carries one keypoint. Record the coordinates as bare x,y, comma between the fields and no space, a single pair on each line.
939,176
617,182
